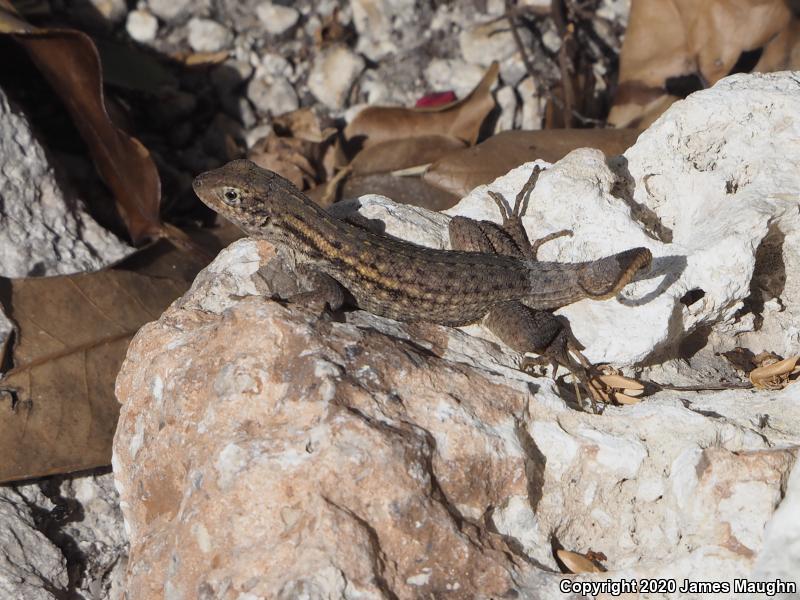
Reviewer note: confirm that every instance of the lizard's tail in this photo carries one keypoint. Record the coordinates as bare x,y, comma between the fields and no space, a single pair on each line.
603,278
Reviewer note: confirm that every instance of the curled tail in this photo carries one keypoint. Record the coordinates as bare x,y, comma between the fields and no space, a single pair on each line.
603,278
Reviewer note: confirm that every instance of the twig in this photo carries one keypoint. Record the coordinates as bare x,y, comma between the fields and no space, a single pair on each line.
558,10
745,385
510,15
332,187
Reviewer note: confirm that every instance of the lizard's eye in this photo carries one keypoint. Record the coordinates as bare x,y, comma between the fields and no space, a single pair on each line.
231,196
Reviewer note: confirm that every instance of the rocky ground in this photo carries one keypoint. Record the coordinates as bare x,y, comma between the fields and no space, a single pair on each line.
402,460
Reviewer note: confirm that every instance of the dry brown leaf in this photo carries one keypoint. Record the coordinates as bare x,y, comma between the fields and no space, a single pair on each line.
461,171
394,155
774,375
298,148
577,563
331,31
290,157
202,59
405,190
621,398
667,40
57,406
741,358
68,60
621,382
303,124
461,120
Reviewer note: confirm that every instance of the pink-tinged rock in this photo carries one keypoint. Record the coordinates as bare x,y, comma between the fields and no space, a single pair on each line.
266,451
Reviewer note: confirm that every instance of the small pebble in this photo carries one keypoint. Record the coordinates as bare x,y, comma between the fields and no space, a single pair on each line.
273,97
334,72
276,18
206,35
167,10
141,26
275,64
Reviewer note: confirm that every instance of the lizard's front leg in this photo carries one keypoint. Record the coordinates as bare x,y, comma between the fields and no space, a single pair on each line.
325,290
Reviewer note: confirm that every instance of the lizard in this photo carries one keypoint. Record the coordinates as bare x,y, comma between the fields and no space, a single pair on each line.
491,275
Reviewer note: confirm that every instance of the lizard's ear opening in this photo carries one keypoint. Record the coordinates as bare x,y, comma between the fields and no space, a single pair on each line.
231,197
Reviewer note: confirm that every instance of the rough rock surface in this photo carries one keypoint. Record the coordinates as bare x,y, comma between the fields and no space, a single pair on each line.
333,74
62,538
371,457
358,457
705,187
43,229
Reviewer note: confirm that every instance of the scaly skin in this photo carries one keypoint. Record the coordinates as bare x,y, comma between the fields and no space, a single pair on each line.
395,278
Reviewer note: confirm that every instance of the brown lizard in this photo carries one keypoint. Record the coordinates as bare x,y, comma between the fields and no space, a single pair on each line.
491,276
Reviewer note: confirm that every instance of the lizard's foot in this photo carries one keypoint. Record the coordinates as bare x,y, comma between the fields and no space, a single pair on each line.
549,238
326,293
313,300
563,350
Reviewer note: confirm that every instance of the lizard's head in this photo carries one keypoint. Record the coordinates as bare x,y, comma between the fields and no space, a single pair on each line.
243,193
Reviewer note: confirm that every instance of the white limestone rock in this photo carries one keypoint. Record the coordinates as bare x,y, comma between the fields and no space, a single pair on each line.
533,105
713,171
272,96
277,19
488,42
141,25
333,74
718,171
170,10
387,26
444,74
206,35
42,541
507,102
43,228
32,566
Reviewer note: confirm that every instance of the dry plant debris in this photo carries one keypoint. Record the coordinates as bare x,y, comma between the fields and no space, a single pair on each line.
579,563
774,373
673,47
69,61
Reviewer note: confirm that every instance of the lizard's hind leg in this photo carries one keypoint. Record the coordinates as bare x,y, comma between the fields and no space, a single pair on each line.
512,218
522,328
528,330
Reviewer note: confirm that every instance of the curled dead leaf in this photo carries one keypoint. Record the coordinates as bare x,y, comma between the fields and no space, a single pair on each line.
461,120
303,124
331,31
674,47
611,387
776,375
577,563
461,171
621,398
69,61
394,155
298,148
621,382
